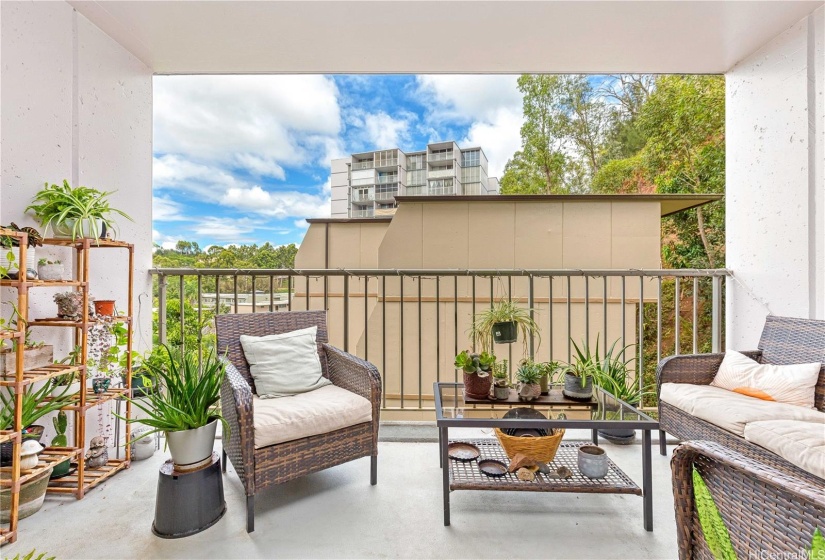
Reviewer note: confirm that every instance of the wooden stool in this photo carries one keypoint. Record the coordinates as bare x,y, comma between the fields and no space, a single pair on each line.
188,502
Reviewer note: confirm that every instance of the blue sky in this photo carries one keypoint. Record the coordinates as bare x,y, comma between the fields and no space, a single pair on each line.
245,159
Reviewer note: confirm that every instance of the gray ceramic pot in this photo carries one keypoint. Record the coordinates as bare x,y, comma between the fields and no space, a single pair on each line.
190,447
502,393
592,461
573,387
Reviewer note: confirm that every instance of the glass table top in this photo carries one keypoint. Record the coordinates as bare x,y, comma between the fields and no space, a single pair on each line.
603,410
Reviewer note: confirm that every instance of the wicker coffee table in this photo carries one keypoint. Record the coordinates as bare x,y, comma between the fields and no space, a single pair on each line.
606,412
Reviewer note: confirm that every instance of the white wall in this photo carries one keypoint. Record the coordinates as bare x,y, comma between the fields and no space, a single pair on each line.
76,105
775,188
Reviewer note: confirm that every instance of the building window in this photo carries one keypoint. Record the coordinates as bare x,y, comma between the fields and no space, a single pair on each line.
417,177
470,158
415,162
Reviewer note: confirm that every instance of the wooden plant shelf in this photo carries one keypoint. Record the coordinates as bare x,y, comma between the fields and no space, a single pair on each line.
9,335
40,374
58,322
79,243
7,536
8,435
49,457
94,399
40,283
91,477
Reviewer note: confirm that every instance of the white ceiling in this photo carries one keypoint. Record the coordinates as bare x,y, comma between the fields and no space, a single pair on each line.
668,36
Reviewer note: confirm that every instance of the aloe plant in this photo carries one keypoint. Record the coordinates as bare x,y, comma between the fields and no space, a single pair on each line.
36,404
187,393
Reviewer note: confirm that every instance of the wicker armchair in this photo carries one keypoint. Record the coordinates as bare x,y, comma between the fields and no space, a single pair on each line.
765,510
261,468
784,340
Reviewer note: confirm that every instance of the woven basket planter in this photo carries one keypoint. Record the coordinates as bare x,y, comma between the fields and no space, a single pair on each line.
539,448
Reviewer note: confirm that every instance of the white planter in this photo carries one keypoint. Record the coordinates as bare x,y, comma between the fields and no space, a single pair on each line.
64,230
5,263
190,447
32,358
50,272
74,388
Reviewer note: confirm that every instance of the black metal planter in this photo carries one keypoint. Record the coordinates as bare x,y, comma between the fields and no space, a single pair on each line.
505,333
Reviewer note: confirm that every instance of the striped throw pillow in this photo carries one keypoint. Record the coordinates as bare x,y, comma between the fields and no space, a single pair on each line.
791,384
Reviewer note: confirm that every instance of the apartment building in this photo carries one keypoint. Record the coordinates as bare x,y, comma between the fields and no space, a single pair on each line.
365,185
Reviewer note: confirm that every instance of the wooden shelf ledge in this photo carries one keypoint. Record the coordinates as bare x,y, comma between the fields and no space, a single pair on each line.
40,374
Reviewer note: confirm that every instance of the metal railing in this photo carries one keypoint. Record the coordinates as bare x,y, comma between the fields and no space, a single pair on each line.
362,212
386,195
411,323
362,165
440,156
362,197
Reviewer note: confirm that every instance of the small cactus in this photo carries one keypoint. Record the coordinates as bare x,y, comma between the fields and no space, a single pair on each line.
60,423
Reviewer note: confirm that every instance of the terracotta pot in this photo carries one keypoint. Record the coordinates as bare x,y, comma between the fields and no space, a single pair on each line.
477,387
105,307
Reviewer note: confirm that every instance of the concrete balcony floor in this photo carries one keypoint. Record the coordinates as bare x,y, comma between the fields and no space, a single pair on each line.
337,514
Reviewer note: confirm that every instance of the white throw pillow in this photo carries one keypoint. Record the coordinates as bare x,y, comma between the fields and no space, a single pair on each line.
791,384
285,364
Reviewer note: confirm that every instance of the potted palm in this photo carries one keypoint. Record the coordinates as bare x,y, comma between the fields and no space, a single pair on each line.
75,212
502,323
477,370
185,406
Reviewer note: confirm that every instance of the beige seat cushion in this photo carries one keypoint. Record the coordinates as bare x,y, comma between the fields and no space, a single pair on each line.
317,412
731,411
801,443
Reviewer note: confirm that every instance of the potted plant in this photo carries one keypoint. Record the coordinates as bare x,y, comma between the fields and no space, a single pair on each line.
579,375
529,375
616,378
501,381
10,253
35,353
548,372
105,307
477,377
75,212
105,339
186,405
70,305
60,423
36,404
50,270
502,323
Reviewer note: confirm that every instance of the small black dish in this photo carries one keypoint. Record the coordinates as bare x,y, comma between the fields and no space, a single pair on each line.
492,467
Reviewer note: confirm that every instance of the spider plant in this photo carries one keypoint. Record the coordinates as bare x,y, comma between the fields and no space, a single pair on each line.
503,311
187,393
74,209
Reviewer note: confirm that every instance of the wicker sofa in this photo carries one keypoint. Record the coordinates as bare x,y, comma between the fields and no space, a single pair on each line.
261,465
784,341
765,509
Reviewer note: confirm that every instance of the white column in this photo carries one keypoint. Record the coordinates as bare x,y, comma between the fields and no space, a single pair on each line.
775,128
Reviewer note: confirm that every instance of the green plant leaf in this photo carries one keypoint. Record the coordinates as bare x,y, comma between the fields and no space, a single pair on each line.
713,526
817,551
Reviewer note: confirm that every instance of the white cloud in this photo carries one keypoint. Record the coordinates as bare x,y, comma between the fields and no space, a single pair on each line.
165,241
258,123
182,175
469,98
280,204
166,210
384,131
226,229
499,138
491,104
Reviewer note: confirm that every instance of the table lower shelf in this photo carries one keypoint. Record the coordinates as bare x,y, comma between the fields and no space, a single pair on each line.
467,476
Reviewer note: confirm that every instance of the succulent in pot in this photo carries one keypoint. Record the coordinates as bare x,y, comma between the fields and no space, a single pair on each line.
185,405
50,270
75,212
477,377
70,305
529,376
501,381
